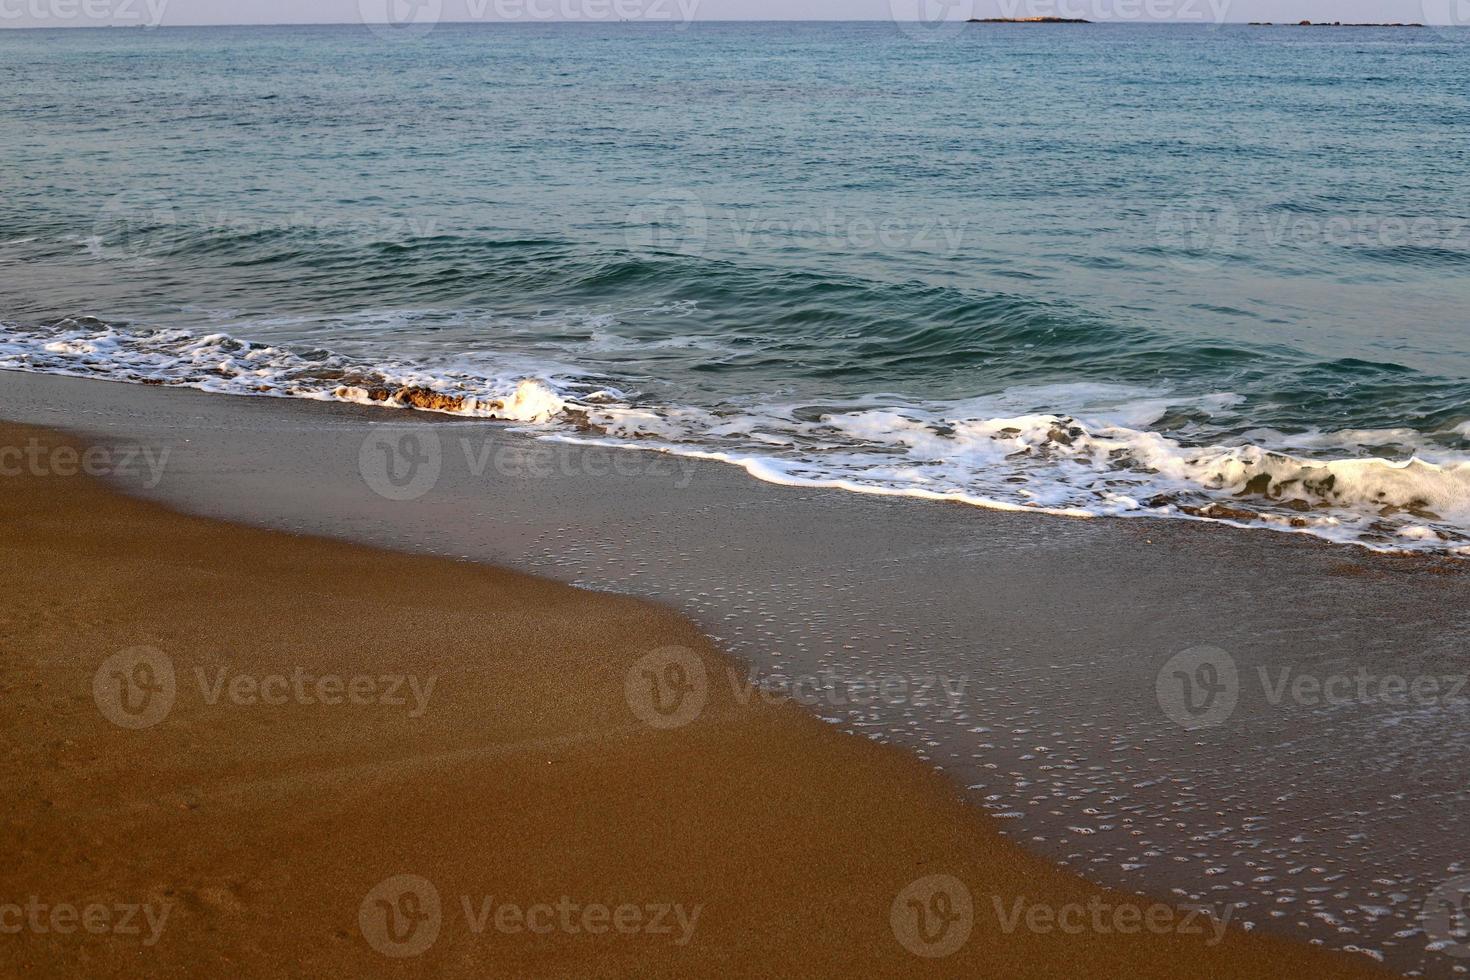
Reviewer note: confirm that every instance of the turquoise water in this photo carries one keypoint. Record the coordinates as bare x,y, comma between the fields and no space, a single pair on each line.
1167,271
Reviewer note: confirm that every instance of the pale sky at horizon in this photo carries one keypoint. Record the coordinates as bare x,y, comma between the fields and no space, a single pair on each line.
79,13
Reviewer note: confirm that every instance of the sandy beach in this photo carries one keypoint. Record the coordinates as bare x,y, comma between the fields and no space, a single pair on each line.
731,489
339,717
1027,663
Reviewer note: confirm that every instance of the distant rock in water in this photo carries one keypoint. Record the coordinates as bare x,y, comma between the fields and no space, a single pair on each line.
1027,20
1323,23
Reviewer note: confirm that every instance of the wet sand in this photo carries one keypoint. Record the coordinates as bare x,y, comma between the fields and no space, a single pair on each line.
1321,819
245,822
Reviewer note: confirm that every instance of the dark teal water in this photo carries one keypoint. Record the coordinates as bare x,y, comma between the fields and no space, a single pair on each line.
1141,271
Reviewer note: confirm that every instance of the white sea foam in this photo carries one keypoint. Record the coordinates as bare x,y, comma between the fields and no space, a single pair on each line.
220,363
1078,450
1052,464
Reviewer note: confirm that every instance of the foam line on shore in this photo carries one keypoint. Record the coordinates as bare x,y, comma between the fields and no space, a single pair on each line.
1081,450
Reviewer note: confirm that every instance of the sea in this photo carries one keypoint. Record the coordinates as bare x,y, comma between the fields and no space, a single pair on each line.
1120,271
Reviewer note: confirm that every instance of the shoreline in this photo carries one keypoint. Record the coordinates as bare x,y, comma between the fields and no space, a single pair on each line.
1401,496
255,825
1057,627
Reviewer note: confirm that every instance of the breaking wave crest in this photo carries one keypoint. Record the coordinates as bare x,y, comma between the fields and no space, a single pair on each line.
1079,450
89,347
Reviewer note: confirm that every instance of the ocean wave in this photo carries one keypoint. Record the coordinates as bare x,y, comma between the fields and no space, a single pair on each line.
218,362
1097,466
1078,449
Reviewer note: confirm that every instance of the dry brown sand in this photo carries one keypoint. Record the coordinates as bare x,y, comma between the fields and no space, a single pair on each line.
258,836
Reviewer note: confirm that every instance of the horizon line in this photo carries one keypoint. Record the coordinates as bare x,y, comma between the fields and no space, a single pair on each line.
599,22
